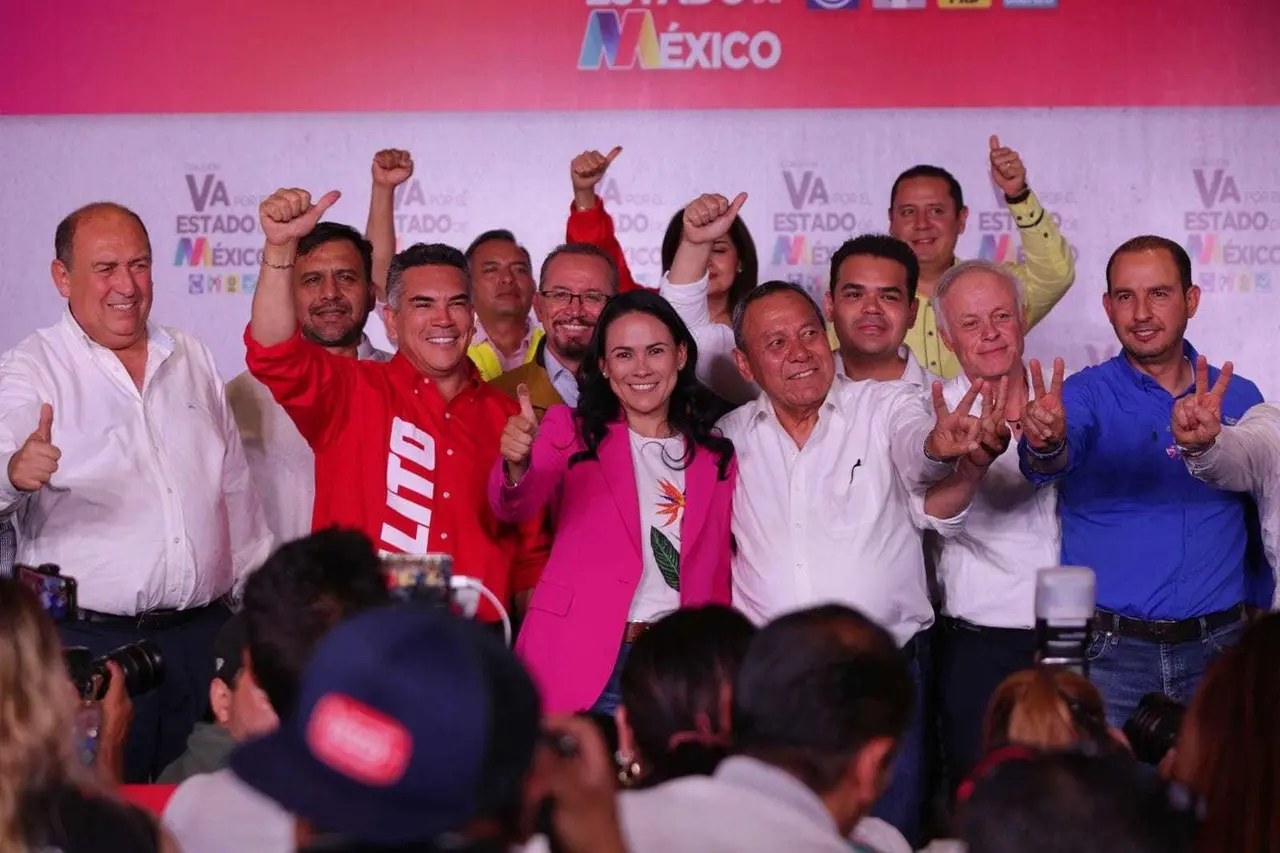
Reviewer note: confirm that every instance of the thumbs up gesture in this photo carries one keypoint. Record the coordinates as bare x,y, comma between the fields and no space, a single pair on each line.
1007,169
708,217
588,168
34,463
288,215
517,438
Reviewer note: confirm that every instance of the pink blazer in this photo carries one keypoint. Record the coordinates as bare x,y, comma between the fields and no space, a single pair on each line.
573,631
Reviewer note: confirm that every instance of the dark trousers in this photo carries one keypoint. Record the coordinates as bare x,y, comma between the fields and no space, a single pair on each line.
972,661
162,718
902,805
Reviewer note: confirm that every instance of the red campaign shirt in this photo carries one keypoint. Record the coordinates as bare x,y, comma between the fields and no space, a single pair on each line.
595,226
395,461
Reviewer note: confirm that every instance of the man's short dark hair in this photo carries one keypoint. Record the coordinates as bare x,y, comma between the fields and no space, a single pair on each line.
878,246
1154,243
305,588
64,236
500,234
755,294
332,232
581,250
1074,803
424,255
926,171
815,687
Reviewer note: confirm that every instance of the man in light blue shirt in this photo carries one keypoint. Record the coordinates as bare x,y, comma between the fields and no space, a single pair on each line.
1169,551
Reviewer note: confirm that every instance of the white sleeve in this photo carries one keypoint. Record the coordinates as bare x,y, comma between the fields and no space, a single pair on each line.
716,368
20,400
1245,457
910,421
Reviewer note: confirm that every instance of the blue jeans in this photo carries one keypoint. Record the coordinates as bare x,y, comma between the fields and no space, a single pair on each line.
1124,669
903,803
611,697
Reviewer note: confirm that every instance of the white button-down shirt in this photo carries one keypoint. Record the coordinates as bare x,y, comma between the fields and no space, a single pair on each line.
152,506
913,372
989,557
282,463
834,520
1246,458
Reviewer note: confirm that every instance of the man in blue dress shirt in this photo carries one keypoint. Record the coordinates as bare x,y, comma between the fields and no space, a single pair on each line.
1168,550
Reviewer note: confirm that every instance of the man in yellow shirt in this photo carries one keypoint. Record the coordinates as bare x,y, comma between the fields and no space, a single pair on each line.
927,211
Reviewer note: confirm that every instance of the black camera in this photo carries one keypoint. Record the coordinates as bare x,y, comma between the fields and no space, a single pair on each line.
141,662
1153,729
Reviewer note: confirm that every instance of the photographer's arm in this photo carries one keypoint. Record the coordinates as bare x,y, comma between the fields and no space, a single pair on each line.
117,714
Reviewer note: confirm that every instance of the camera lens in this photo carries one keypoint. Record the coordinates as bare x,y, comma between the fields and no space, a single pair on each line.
1153,729
142,664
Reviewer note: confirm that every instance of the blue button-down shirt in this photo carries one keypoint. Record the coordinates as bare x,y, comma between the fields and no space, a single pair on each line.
1163,544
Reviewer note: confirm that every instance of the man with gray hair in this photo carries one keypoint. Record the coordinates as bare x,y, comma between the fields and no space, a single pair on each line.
403,448
990,554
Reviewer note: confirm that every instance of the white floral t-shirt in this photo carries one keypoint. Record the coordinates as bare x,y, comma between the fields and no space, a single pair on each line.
660,488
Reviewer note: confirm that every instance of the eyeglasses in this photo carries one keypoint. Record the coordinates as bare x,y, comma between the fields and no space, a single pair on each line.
564,298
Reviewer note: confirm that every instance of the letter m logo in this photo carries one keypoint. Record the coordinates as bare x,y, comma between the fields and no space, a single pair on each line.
193,253
618,41
791,251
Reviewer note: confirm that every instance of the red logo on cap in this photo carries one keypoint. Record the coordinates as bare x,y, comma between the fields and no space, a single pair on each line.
359,742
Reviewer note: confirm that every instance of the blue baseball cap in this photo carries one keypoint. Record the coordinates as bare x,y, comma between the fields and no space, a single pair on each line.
411,722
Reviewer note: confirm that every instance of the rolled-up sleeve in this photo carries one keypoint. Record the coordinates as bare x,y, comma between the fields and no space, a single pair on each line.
311,384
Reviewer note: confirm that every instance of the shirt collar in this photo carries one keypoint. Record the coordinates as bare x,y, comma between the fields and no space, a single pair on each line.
157,337
406,375
762,406
1141,379
365,349
744,772
555,369
482,337
909,370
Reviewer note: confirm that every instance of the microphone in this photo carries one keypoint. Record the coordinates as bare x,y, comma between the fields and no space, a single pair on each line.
1066,597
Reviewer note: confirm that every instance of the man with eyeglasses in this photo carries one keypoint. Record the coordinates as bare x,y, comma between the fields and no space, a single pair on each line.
575,283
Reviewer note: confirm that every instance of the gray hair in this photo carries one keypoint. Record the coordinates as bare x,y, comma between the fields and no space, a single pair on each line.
759,292
424,255
964,268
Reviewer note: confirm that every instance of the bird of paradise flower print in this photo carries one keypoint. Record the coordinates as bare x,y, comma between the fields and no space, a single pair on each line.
665,553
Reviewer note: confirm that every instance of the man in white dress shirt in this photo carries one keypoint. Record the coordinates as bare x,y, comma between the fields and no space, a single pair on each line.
871,303
989,558
1244,457
333,294
125,469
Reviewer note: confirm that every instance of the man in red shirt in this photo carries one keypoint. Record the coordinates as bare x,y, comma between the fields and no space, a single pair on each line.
403,448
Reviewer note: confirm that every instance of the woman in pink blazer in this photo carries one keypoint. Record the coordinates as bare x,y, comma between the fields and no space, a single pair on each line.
645,486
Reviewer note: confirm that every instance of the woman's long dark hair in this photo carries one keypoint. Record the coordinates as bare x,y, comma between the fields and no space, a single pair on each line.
748,264
693,409
677,685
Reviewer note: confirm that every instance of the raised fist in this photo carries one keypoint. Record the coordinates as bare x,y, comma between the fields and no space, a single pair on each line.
517,438
392,167
289,215
37,460
708,217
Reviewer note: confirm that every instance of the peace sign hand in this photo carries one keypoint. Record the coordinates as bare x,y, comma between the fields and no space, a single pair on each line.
955,433
1197,417
993,433
1044,420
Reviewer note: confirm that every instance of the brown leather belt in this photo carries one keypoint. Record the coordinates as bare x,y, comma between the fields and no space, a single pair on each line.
634,631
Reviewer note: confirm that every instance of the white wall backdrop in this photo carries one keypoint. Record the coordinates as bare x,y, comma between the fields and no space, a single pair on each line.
1208,178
